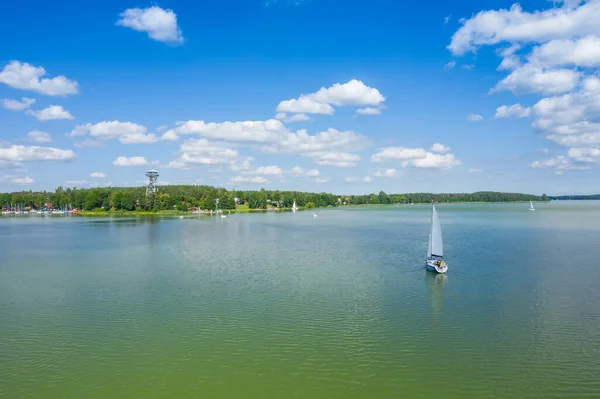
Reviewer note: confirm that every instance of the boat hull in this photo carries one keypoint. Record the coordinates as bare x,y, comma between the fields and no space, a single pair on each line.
436,268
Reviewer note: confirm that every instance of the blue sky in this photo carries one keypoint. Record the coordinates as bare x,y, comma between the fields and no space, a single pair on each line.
318,95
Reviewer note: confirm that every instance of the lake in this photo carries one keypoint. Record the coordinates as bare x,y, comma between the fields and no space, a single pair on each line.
291,306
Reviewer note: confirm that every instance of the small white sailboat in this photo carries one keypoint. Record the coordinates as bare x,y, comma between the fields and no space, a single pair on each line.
435,251
294,207
315,215
531,208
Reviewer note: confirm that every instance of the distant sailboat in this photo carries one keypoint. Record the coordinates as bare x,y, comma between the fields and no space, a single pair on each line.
435,251
315,215
531,208
294,207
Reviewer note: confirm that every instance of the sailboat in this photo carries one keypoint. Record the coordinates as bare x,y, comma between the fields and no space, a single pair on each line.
531,208
294,207
435,251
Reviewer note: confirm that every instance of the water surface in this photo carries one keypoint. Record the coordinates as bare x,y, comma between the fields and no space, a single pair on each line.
289,306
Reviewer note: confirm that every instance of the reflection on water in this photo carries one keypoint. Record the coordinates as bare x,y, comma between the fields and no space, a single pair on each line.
266,305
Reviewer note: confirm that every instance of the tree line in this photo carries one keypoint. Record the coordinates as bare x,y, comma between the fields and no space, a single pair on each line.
575,197
184,197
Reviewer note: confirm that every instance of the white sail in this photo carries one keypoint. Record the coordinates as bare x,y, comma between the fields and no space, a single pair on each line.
436,247
294,208
531,205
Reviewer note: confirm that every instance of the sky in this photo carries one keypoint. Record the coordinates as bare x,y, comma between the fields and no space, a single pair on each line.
340,96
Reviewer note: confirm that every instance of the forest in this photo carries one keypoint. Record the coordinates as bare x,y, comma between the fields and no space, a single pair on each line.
575,197
187,197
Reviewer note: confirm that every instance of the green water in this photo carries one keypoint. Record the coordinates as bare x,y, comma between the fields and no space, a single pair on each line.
291,306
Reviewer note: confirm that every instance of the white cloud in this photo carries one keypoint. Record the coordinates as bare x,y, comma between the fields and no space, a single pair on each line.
322,180
160,24
439,147
515,110
533,79
386,173
330,147
20,153
161,128
432,161
368,111
248,179
126,132
515,25
16,105
571,120
27,77
447,19
450,65
583,52
397,153
474,117
247,131
339,159
298,171
271,170
474,170
292,118
559,163
22,180
98,175
36,136
352,93
304,105
366,179
51,113
468,66
131,161
510,60
199,152
585,155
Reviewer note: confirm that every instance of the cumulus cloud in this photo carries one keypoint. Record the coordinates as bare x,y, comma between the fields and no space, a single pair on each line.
331,147
559,163
125,132
583,52
352,93
282,116
50,113
24,76
98,175
158,23
514,111
474,117
366,179
298,171
130,161
21,153
432,161
199,152
247,131
271,170
515,25
398,153
416,157
22,180
16,105
386,173
368,111
439,147
37,136
532,79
